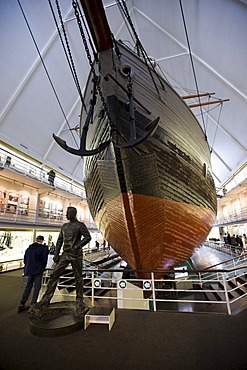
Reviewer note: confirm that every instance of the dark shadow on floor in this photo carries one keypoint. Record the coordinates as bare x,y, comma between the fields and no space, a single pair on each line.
138,340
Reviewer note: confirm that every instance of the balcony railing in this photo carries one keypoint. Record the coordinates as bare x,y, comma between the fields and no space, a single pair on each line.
34,217
38,173
241,215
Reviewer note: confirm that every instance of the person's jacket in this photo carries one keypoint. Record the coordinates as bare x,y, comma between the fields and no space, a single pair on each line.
35,259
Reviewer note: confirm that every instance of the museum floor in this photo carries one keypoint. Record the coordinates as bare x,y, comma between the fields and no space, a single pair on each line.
138,340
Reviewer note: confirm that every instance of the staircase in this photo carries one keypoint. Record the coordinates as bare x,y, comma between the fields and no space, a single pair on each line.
221,288
67,280
236,288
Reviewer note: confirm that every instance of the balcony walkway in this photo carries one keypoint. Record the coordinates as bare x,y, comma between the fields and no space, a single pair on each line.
205,257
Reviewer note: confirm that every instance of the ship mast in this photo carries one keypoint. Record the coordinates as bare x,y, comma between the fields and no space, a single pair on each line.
98,24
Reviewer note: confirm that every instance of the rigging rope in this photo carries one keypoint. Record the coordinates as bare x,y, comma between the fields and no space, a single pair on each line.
221,106
47,73
91,62
207,111
68,51
193,67
88,35
140,48
127,25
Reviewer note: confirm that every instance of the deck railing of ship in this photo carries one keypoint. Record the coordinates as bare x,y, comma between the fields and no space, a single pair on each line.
218,289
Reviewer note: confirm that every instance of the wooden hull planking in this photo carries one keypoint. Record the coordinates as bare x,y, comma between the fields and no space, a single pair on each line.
156,202
153,233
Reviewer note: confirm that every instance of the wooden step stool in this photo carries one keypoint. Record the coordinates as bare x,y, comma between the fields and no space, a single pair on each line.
100,315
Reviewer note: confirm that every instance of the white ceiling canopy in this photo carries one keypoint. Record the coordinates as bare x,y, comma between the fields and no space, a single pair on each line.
39,96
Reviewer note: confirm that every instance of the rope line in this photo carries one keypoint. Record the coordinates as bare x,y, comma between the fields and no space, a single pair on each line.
192,64
221,106
47,73
68,51
139,46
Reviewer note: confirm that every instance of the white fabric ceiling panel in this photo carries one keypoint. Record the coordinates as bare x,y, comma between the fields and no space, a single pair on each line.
30,108
15,61
227,149
39,116
217,34
157,41
165,15
219,169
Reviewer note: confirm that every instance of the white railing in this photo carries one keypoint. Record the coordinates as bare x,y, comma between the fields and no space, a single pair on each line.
241,215
31,170
33,216
200,291
232,250
11,265
16,264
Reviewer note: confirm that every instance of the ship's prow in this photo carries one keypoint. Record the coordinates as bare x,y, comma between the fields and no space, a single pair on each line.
147,167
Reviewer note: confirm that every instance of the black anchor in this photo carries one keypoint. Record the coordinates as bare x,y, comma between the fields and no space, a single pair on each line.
82,151
133,141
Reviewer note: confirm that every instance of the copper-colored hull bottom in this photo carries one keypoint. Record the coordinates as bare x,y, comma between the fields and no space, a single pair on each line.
130,221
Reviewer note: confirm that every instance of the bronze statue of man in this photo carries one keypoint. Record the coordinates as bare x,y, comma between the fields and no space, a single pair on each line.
70,237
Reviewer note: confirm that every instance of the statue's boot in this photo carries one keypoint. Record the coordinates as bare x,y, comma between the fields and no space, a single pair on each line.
36,311
41,304
80,308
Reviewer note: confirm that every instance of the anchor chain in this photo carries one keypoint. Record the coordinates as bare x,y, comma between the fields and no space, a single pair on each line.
91,63
97,90
82,151
139,45
68,51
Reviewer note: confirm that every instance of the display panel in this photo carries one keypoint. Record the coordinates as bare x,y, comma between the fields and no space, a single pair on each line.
12,202
2,200
24,204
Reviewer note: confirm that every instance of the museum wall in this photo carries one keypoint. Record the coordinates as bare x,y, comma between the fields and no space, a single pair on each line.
25,212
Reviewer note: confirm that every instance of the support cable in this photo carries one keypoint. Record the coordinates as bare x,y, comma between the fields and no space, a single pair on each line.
126,21
89,57
47,73
221,106
88,35
68,51
207,115
140,48
193,67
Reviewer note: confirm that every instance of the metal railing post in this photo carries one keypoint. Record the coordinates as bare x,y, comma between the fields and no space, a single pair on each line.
153,289
200,278
92,283
234,265
226,293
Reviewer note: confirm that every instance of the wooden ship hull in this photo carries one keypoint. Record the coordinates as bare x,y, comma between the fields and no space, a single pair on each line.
154,203
150,190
